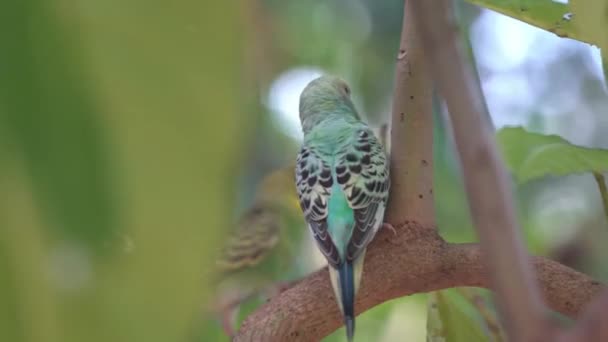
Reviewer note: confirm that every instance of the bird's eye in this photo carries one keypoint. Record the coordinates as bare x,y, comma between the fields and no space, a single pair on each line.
347,90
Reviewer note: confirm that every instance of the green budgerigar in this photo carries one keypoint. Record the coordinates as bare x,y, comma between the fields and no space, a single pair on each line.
342,181
261,254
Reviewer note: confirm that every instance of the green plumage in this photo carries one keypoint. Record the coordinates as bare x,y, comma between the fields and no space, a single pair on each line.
342,179
341,221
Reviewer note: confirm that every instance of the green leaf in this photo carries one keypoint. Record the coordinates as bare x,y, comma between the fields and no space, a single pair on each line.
586,21
545,14
107,128
49,114
449,321
531,155
592,22
590,19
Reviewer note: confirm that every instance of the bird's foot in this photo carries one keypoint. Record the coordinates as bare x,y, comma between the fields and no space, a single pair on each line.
284,286
278,288
229,316
390,227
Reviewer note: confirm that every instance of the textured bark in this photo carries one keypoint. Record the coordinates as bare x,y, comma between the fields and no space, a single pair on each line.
415,261
411,195
486,181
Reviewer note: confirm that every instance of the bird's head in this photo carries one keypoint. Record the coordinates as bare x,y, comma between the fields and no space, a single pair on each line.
324,96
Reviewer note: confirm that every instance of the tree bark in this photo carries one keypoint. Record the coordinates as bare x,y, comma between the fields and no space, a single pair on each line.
411,197
485,177
417,261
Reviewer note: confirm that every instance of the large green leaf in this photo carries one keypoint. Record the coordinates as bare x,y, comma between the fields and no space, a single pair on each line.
117,119
586,21
546,14
590,19
592,22
50,117
531,155
449,320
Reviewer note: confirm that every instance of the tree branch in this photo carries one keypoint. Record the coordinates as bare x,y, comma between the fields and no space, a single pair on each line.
486,182
417,261
411,197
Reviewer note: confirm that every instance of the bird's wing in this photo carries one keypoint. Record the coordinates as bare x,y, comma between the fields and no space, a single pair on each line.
313,183
363,174
257,234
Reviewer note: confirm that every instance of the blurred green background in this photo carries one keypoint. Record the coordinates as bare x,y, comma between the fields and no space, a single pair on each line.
133,134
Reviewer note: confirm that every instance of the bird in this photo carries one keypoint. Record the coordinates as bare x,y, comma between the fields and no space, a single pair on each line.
342,181
260,256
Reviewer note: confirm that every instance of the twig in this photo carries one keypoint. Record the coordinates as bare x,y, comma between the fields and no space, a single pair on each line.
605,67
490,319
601,185
383,131
488,191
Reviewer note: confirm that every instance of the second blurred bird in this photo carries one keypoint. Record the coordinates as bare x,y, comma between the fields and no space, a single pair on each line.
260,255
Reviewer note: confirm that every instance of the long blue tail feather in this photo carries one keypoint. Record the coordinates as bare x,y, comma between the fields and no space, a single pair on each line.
347,291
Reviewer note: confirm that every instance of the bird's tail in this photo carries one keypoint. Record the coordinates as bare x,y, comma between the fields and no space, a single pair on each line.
347,291
345,280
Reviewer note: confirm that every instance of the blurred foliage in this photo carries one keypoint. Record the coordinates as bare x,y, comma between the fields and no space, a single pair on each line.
51,120
121,130
453,318
530,155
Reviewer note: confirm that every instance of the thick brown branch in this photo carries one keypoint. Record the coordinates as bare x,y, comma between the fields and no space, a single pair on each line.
486,182
418,260
411,195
